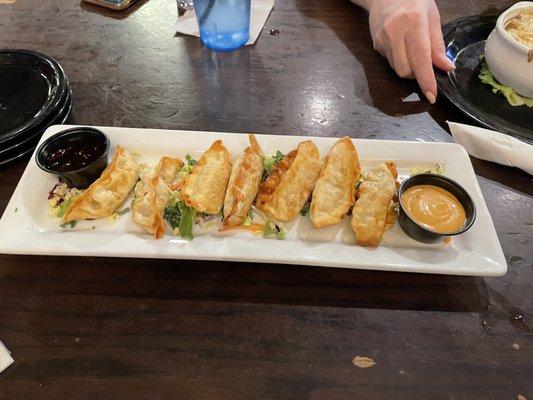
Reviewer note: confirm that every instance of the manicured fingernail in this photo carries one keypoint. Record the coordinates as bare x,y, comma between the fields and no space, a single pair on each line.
431,97
450,63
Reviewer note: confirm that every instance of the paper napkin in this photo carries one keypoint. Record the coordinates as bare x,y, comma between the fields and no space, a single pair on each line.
5,357
493,146
259,12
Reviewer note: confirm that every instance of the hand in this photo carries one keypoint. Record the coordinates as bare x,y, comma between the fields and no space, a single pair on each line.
409,34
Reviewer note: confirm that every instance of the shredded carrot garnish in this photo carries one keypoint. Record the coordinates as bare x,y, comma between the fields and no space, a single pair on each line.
254,228
176,185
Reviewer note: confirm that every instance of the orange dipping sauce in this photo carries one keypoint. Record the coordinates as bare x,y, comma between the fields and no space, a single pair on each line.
434,208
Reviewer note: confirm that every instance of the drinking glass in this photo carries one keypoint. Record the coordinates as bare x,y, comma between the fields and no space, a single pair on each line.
224,24
185,5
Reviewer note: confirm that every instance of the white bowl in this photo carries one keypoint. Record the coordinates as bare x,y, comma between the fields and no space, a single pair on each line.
507,58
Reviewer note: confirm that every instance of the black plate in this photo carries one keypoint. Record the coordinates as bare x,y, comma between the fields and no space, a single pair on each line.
465,43
28,147
32,86
21,140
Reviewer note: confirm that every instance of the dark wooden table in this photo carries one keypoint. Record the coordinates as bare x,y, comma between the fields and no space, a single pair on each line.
94,328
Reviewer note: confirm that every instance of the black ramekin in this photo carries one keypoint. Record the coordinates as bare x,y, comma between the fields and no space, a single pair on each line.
79,178
424,235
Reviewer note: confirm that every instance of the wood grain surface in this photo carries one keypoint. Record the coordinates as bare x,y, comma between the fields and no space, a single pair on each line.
96,328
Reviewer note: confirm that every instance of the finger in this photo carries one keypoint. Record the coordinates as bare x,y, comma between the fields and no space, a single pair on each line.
399,61
418,49
392,46
438,50
383,46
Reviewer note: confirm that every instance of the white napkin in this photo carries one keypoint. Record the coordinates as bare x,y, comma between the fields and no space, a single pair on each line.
493,146
259,12
5,358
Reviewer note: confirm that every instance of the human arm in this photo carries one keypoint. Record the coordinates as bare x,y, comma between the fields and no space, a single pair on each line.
408,33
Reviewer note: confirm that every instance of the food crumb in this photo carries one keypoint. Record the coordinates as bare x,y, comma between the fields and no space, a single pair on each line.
77,339
113,218
515,346
434,169
447,240
402,372
363,362
521,397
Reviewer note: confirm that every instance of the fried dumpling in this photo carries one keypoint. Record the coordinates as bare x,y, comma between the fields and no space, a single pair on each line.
288,187
334,191
205,187
243,184
369,214
109,191
151,196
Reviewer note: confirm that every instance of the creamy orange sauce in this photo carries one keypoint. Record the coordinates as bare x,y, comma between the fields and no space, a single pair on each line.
521,28
434,208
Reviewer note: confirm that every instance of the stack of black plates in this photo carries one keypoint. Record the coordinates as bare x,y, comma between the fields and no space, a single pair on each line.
34,94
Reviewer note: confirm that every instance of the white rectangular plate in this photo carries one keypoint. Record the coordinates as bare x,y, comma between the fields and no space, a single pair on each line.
25,227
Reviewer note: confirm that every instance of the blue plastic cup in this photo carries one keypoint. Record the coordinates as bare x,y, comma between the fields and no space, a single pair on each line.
224,24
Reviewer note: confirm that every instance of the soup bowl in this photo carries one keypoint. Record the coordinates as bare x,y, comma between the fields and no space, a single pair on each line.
511,61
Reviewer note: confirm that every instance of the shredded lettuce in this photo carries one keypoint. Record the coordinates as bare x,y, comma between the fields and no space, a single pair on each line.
63,207
180,217
435,169
112,218
271,229
305,209
249,218
359,181
269,162
190,161
186,169
60,198
186,220
512,97
143,169
183,172
70,224
206,221
123,211
203,217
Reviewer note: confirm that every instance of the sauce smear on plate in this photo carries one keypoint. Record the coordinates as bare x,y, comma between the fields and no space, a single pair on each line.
434,208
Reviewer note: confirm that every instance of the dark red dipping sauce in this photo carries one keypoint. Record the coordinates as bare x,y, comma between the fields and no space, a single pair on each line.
74,154
78,155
